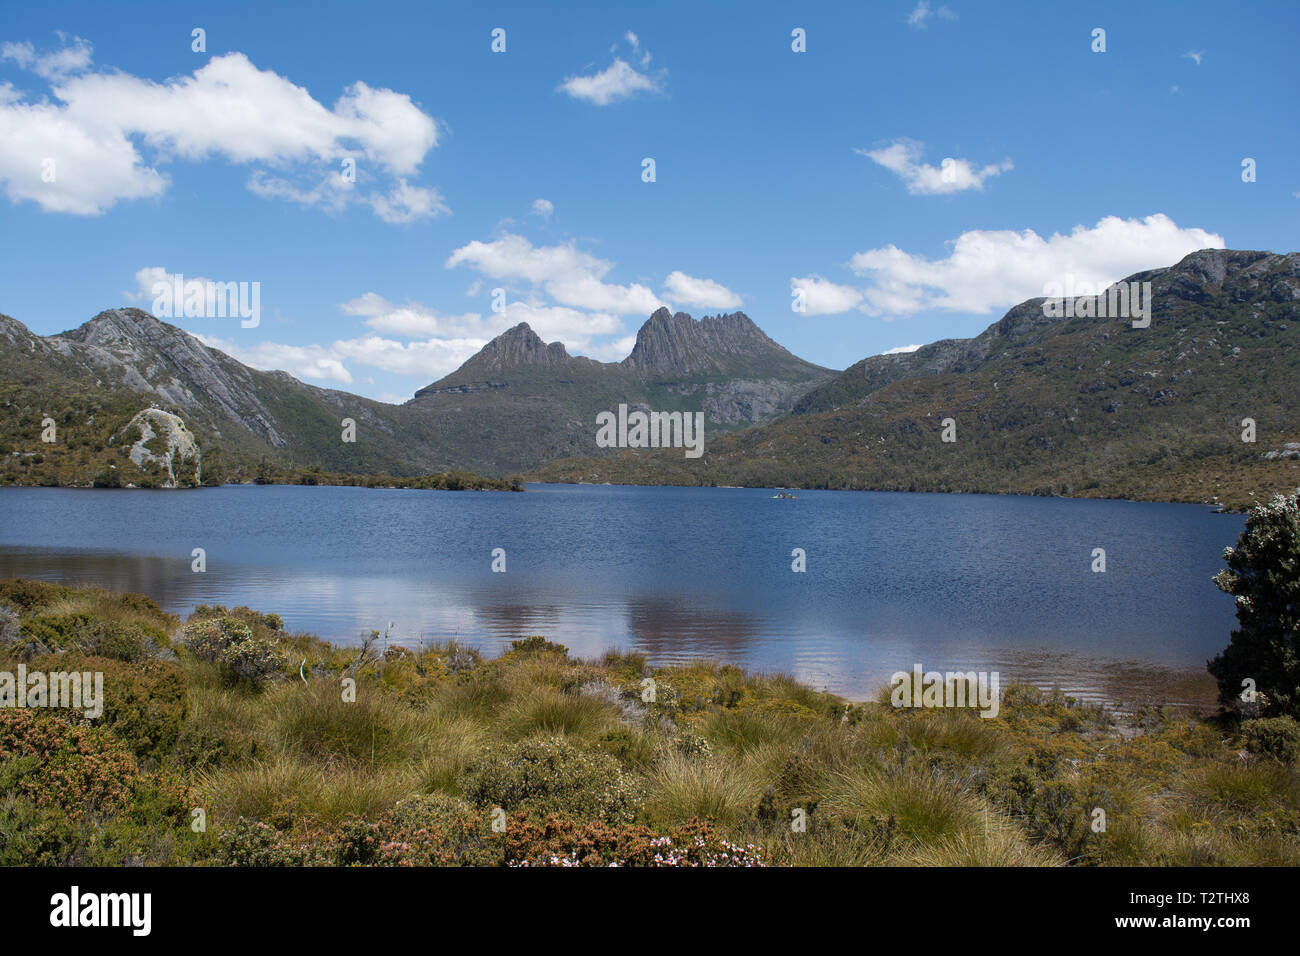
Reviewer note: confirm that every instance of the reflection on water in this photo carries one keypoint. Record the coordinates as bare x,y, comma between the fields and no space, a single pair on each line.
950,582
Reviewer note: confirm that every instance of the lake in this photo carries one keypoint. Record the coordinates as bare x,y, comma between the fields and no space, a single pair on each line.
952,582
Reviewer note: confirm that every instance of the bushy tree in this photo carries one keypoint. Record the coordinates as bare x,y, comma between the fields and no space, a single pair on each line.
1263,574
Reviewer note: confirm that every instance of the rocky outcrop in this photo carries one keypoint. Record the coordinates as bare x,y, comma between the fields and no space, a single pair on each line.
161,439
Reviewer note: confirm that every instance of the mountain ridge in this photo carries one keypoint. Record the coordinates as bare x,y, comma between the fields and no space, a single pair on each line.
1040,404
516,403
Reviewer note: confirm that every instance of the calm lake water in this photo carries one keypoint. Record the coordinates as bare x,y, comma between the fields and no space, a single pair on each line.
953,582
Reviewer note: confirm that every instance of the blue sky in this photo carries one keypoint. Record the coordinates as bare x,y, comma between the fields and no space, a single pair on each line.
781,177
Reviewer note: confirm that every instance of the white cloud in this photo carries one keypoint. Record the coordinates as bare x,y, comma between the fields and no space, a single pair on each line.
1196,55
700,293
412,319
543,208
575,328
426,360
73,58
312,362
921,14
618,81
447,340
514,257
565,273
588,292
823,297
614,350
94,125
901,350
989,270
903,156
430,359
145,279
407,203
331,194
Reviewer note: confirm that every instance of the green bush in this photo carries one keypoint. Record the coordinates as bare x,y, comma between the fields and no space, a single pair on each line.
253,843
426,830
1263,574
537,644
27,595
144,703
32,835
1276,737
94,635
549,775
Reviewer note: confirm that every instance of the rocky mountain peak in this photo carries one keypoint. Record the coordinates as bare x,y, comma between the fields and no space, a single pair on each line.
516,347
671,345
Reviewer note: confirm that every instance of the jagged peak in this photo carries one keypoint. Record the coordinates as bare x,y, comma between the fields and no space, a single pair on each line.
518,346
673,344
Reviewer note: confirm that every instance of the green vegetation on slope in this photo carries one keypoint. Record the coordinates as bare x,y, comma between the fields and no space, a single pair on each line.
90,450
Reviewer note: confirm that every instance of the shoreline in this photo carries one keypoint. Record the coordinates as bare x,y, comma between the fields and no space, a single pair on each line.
301,752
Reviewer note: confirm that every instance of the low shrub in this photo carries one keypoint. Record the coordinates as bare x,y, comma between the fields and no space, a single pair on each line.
1276,737
53,761
230,644
549,775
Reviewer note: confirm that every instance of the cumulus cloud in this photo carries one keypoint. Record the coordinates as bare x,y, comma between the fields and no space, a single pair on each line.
823,297
900,350
412,319
429,359
989,270
94,127
406,203
700,293
425,360
556,323
618,81
566,274
312,362
148,277
903,158
543,208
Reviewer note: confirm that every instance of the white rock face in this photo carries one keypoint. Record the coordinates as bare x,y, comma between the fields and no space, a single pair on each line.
181,448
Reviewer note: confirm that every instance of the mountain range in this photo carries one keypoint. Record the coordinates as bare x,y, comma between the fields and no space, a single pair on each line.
516,404
1040,402
1043,404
